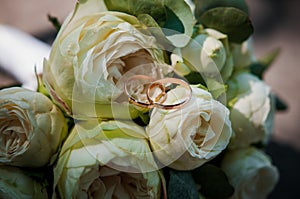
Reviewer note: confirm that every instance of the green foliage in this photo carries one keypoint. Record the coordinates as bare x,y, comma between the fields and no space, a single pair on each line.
136,7
182,185
213,182
280,104
41,87
155,30
174,18
173,22
268,59
204,5
228,20
195,78
215,87
42,175
54,22
258,68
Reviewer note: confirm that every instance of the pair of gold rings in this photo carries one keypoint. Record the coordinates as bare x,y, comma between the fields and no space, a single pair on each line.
156,92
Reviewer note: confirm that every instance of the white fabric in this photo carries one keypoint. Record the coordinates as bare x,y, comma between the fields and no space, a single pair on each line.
20,53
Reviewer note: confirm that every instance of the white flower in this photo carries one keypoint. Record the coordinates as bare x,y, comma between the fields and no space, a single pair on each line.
242,54
15,183
31,128
186,138
107,160
208,53
251,173
93,56
252,110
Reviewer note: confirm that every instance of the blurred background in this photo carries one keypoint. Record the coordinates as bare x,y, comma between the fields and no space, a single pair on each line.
276,26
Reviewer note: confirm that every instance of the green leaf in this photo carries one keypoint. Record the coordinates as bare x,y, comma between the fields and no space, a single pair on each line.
213,181
136,7
42,175
228,20
41,87
155,30
195,78
268,59
143,119
260,145
182,185
176,18
204,5
280,104
258,68
182,10
54,22
173,22
215,87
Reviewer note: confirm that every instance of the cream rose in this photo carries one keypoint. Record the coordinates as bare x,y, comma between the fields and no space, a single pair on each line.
252,110
32,128
107,160
208,53
93,55
188,137
251,173
243,54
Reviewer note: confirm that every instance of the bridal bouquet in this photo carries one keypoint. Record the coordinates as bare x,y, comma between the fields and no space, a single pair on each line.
143,99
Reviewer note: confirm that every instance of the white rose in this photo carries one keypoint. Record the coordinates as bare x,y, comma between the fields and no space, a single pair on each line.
91,58
251,173
208,53
107,160
186,138
243,54
32,128
252,110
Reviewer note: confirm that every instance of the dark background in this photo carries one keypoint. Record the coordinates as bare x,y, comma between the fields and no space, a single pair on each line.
276,25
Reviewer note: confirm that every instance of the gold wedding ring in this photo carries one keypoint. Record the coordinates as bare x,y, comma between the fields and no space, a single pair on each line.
171,81
154,98
148,80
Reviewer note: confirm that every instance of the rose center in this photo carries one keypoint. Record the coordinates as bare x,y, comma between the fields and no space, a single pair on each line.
14,129
117,184
126,63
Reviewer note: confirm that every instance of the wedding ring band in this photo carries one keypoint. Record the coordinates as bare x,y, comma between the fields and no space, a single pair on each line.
149,81
157,100
180,82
